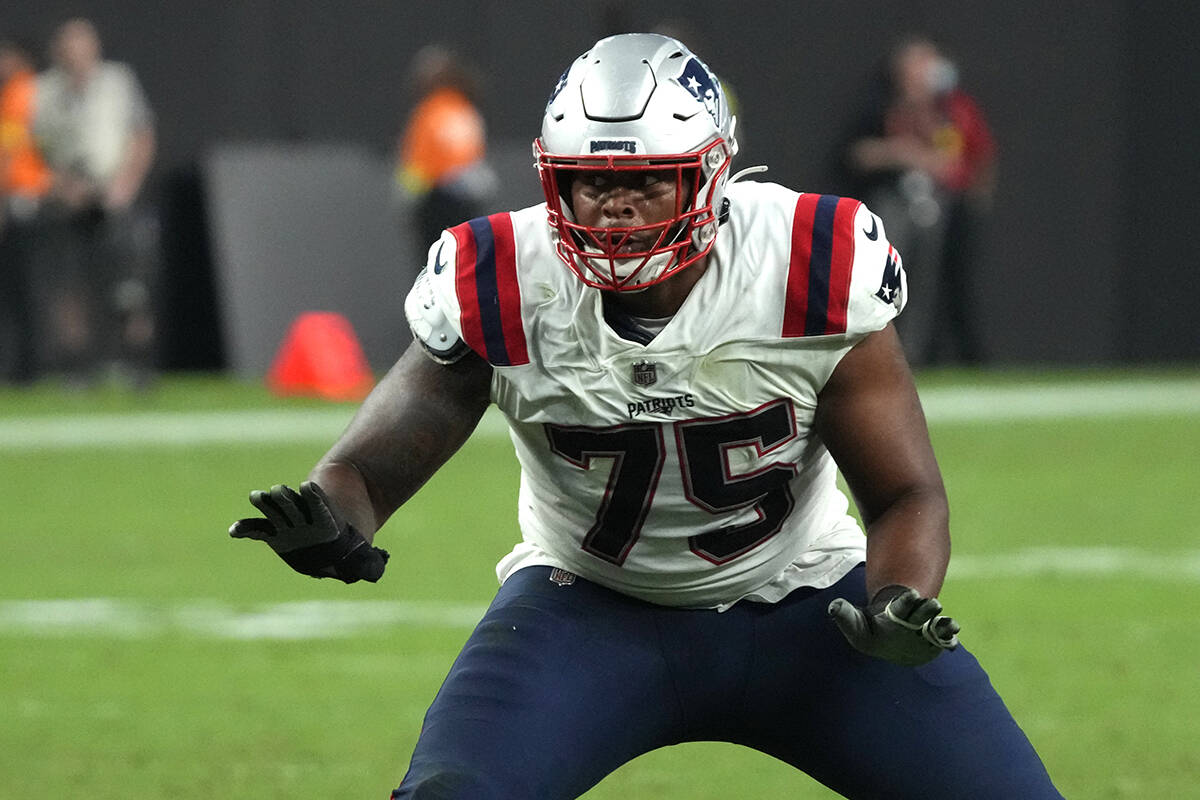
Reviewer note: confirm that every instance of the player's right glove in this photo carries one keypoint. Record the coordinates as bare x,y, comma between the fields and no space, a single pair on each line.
303,530
898,625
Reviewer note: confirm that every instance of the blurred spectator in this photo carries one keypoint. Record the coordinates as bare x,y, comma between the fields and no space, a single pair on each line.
24,179
441,165
924,161
96,132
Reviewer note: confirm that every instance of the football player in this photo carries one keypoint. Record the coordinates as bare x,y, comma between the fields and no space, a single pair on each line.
684,361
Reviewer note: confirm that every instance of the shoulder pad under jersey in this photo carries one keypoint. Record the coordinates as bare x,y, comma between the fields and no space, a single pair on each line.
427,315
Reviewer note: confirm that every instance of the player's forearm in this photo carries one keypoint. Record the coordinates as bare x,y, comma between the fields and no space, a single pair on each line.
413,421
909,544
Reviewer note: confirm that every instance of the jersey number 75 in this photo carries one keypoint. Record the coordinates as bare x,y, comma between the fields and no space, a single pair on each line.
638,453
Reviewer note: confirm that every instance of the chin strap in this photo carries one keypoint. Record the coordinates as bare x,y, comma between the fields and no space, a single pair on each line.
723,215
741,173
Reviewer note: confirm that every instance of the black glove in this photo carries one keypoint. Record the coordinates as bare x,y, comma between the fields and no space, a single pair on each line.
898,625
303,530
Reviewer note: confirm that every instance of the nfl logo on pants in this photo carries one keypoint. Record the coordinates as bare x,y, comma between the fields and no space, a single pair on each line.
561,576
645,373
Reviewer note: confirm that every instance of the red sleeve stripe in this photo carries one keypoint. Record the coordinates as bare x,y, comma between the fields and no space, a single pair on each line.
488,292
464,287
818,284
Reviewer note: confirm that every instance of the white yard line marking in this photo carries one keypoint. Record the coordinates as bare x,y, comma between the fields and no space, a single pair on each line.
125,618
1059,401
173,428
943,405
1078,561
111,617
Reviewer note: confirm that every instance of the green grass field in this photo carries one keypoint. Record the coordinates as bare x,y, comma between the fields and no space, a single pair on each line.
144,654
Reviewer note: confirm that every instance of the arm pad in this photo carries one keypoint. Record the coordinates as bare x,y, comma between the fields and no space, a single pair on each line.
430,325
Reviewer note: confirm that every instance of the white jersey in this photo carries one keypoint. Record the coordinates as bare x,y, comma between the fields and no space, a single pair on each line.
683,471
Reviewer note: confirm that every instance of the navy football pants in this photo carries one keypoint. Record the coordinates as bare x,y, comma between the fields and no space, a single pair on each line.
560,685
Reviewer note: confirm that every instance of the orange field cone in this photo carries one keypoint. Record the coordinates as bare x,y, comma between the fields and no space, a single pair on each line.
321,356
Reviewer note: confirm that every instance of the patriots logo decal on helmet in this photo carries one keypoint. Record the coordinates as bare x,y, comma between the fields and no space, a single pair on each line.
558,87
703,85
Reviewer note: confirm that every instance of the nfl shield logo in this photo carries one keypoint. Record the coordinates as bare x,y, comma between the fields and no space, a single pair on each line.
562,577
645,373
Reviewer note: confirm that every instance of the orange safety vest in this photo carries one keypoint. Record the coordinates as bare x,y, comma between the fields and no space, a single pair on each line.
445,133
21,167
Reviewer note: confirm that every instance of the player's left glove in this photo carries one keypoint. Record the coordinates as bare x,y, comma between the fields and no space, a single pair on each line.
898,625
303,530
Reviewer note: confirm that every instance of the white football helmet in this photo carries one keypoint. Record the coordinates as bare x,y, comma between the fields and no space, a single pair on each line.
636,102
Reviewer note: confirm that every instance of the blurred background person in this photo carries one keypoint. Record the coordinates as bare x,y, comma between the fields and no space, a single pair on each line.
24,179
923,158
441,155
96,132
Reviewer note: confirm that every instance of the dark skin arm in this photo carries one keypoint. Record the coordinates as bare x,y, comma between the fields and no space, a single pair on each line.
418,416
869,417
